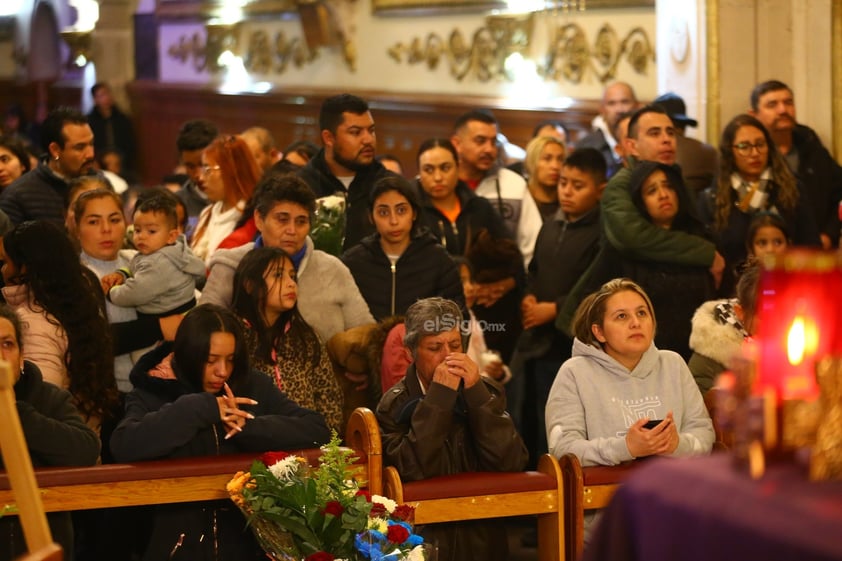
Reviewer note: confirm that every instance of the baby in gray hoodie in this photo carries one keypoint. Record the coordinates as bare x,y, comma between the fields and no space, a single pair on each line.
161,279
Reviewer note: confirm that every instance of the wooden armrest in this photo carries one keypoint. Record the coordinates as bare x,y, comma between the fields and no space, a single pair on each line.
392,484
50,552
586,488
363,435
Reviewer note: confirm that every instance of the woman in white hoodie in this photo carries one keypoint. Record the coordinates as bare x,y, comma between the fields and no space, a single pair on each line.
617,381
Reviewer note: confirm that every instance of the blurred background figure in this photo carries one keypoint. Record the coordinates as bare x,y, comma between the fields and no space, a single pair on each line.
112,128
14,160
391,163
262,145
300,152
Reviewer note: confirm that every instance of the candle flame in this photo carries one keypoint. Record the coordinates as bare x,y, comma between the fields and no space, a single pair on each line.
795,342
802,340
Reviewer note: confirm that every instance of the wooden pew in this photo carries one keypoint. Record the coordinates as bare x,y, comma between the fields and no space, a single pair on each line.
182,480
481,495
588,488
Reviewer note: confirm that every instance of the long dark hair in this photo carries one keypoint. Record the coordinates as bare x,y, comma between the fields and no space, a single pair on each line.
71,294
250,298
685,219
192,345
787,195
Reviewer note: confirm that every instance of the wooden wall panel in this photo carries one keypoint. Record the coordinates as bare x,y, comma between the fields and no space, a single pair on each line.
403,121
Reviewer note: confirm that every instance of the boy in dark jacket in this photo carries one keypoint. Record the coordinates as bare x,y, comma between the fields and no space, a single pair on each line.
566,246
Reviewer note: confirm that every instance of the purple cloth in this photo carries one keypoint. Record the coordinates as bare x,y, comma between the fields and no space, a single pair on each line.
697,509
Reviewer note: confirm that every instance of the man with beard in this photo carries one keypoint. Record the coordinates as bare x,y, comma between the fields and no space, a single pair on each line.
346,164
475,139
821,177
41,194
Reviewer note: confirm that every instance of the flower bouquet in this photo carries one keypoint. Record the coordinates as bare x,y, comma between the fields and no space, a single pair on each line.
328,228
318,514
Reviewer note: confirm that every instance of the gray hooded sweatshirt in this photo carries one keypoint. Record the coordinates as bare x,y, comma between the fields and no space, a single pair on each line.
161,281
595,399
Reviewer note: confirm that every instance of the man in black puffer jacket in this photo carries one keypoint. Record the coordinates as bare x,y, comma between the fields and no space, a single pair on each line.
346,164
42,193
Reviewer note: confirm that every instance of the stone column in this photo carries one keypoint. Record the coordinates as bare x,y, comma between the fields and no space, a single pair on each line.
732,45
114,47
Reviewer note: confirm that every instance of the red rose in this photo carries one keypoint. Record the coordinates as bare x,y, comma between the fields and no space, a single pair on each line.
269,459
320,556
404,512
334,508
365,494
397,534
377,509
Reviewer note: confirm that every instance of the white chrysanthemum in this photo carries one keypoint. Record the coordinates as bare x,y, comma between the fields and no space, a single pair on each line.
286,468
416,554
379,524
388,503
332,201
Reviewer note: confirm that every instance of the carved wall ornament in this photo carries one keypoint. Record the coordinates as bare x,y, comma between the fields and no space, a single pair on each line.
264,56
484,57
190,48
261,55
570,57
324,23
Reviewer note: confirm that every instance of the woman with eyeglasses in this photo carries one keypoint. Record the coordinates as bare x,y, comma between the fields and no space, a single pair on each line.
228,176
753,177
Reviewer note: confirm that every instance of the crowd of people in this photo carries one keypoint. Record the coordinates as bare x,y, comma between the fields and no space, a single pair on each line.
506,312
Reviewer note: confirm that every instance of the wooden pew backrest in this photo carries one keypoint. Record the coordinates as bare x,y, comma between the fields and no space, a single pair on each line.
482,495
182,480
586,488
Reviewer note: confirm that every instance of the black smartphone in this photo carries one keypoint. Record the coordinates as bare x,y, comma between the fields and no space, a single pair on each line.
652,424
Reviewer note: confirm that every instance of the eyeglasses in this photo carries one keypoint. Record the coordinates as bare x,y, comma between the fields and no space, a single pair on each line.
744,148
206,170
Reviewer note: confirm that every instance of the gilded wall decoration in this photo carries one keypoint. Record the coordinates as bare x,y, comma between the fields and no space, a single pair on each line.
324,24
570,57
484,57
190,48
264,56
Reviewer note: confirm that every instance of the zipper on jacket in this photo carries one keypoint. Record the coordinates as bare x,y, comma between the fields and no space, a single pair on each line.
393,266
215,536
443,236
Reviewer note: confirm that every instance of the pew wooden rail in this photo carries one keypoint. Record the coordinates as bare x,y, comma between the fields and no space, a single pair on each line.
181,480
587,488
481,495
